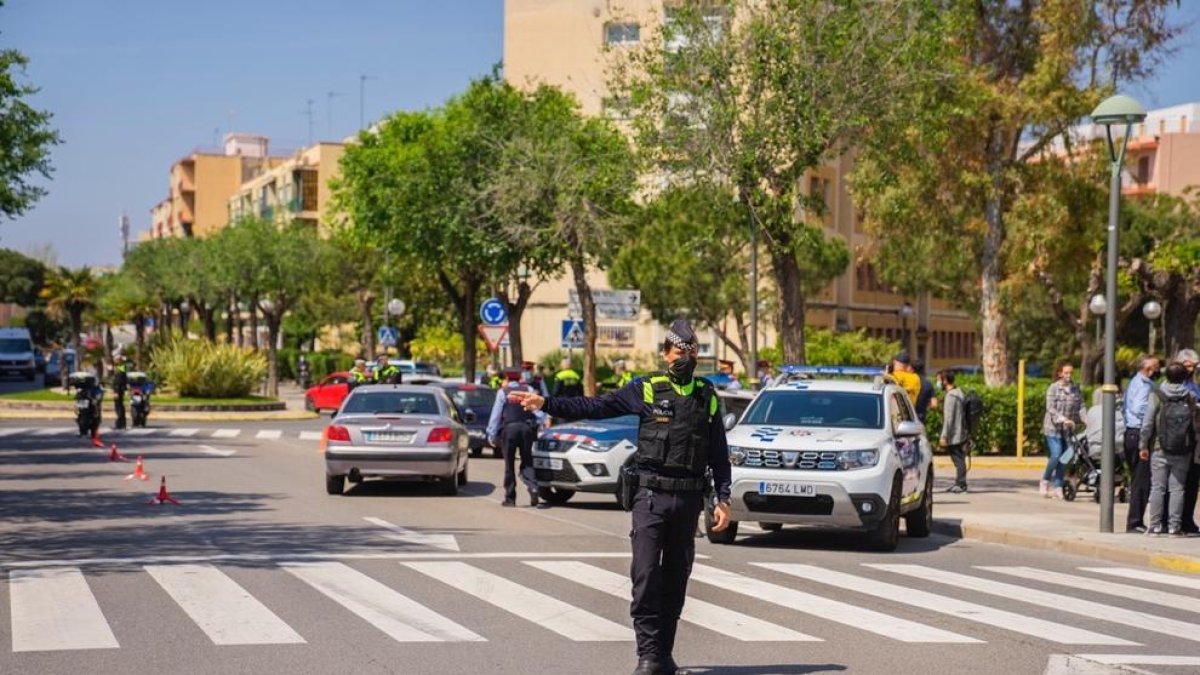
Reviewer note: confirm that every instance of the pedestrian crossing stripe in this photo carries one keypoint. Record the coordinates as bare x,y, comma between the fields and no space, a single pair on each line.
54,608
13,431
269,434
1147,575
226,433
1135,593
189,432
310,435
183,433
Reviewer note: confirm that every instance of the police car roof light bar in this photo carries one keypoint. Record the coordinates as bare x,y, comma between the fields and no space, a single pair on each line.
845,371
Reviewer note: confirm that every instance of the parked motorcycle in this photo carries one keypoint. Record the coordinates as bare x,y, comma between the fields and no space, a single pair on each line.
88,396
140,387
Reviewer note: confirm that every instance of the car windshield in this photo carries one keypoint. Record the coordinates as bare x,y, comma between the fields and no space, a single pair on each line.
838,409
475,397
11,345
426,369
391,402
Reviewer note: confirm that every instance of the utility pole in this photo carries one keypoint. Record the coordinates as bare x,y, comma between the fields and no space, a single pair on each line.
362,98
308,110
329,96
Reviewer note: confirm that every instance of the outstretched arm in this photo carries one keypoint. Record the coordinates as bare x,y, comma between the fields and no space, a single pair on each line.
625,401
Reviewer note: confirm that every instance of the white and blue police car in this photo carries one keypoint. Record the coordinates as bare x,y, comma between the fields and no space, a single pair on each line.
835,447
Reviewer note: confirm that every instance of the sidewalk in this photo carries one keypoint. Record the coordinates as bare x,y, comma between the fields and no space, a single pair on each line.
289,393
1003,507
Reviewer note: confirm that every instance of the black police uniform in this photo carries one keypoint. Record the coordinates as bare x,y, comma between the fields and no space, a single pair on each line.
120,386
518,428
680,435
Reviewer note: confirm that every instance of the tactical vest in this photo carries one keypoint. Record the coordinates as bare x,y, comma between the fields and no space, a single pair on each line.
514,412
676,436
388,375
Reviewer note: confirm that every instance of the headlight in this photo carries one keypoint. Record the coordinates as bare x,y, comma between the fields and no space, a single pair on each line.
857,459
597,446
737,455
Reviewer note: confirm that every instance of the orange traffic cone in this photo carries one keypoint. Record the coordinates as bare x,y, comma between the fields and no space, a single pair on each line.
96,442
163,496
115,456
139,471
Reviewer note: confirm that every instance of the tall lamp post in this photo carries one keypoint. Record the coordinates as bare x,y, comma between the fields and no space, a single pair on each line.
1097,306
1112,111
1152,311
395,309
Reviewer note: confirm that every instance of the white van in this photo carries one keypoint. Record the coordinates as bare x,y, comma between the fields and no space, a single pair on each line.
16,353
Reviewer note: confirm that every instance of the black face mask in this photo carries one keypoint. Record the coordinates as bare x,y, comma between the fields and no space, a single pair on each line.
682,368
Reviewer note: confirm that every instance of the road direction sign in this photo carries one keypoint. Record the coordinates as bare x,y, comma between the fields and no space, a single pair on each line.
388,336
610,304
492,312
494,335
572,334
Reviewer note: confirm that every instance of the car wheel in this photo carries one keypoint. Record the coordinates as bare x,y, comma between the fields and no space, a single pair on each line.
886,535
771,527
555,495
726,536
462,475
334,485
309,405
449,485
919,523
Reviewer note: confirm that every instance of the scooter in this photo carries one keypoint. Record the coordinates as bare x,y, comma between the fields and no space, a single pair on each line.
88,396
140,387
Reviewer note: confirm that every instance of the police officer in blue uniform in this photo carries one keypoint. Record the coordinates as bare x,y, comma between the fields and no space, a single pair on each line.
680,436
514,429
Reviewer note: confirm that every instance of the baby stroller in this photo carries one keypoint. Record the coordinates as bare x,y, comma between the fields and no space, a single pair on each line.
1083,471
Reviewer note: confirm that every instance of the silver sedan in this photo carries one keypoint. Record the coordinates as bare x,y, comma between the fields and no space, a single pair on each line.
397,431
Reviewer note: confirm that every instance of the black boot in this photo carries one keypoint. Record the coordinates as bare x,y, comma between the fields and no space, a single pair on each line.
648,666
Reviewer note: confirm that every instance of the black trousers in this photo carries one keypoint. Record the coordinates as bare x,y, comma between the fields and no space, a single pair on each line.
119,405
958,455
664,545
1139,483
518,444
1190,490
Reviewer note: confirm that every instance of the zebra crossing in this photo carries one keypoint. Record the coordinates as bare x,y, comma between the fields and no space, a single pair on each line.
168,433
53,607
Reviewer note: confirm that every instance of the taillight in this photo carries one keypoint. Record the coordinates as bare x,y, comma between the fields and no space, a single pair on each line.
440,435
337,433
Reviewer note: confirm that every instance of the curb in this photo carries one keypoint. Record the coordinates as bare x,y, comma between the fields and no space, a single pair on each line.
1023,463
1107,552
198,416
268,406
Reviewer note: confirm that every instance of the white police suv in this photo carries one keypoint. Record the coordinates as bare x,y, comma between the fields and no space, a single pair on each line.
836,447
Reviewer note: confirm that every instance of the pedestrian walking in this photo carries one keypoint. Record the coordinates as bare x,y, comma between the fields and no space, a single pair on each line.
514,430
680,436
954,429
1137,399
1168,442
1064,412
1191,488
120,385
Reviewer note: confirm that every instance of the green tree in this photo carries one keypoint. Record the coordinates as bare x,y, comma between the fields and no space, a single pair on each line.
21,278
756,95
1161,250
25,137
69,293
124,297
942,182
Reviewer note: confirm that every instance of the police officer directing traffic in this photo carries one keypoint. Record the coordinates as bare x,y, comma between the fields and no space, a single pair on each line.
120,386
680,435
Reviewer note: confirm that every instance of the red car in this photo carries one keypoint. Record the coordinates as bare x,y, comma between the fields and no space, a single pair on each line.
329,393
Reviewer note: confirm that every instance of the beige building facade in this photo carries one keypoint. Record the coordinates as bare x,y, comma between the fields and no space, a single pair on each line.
567,43
295,188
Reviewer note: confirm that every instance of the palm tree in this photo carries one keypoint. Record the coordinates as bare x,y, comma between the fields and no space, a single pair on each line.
70,293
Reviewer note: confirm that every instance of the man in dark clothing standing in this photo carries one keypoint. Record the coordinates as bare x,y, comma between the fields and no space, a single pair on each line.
680,436
514,429
120,386
925,396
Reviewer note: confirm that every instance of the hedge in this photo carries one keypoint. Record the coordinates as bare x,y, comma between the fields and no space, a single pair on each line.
203,369
320,364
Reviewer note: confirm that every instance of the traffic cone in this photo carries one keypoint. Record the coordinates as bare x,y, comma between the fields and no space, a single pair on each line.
139,471
115,456
163,496
96,442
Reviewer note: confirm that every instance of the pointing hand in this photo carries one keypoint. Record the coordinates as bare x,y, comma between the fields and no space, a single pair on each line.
527,400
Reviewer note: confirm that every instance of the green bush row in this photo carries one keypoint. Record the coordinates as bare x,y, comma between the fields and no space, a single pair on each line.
203,369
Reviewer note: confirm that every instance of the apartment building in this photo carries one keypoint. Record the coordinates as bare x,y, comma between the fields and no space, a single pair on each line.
295,188
1164,152
565,43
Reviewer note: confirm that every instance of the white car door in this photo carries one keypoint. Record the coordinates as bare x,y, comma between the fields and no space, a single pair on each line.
910,449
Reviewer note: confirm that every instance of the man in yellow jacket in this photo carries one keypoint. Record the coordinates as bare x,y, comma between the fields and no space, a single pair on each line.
901,371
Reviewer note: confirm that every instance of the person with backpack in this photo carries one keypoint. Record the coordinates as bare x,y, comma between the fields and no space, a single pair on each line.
954,429
1169,430
1191,489
1064,411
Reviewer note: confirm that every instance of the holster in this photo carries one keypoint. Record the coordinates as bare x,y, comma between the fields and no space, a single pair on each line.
628,487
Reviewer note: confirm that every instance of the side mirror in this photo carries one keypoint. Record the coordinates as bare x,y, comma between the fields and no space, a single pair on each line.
730,421
469,416
909,428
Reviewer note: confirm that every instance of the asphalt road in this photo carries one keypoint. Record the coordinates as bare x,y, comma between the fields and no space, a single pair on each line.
258,570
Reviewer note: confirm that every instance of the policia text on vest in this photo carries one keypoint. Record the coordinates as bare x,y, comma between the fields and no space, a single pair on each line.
680,436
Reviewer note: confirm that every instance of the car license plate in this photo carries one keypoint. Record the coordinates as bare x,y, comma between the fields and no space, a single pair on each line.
547,463
787,489
388,436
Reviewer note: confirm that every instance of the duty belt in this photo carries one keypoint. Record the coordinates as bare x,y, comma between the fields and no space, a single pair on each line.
671,484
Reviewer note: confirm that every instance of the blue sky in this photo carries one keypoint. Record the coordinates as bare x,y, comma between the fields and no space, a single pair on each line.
136,84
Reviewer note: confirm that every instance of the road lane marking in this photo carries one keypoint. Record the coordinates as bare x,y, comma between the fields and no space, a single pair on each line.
1125,591
990,616
209,450
1062,603
446,542
704,614
226,433
398,616
1142,659
184,433
1146,575
222,608
13,431
141,431
310,435
54,609
269,434
53,431
830,610
351,555
550,613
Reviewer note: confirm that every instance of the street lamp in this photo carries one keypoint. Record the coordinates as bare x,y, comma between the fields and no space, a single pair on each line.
1152,310
1114,110
1098,306
396,307
905,312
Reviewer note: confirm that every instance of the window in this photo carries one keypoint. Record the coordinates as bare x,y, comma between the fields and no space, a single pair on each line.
622,33
900,410
1143,170
842,410
473,397
308,190
385,402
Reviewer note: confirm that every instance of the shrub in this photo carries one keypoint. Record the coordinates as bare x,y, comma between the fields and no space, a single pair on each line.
444,347
202,369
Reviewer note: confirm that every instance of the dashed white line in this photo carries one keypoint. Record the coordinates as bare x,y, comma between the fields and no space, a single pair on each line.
310,435
226,433
54,609
222,608
184,433
269,434
209,450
